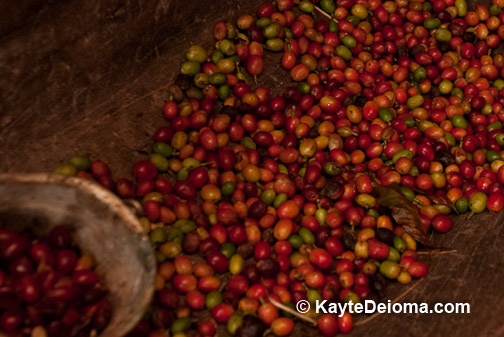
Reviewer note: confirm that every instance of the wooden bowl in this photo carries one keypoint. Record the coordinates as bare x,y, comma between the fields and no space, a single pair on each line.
101,224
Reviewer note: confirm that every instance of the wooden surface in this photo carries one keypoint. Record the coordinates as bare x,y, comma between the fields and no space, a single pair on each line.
90,77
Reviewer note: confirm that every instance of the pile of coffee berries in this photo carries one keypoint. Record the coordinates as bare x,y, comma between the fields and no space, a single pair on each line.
256,197
48,287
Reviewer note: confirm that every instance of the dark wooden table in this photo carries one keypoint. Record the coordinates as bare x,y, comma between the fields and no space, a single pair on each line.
90,77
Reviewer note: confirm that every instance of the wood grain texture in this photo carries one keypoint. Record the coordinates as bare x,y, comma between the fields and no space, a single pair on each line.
90,77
